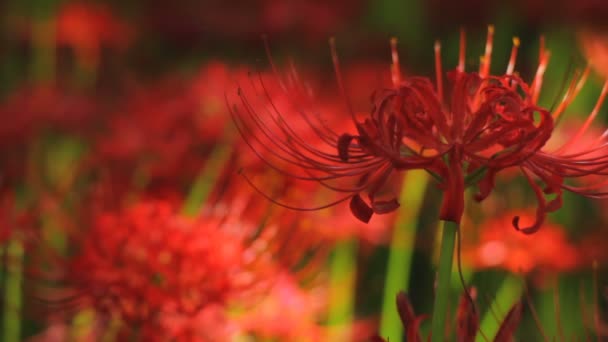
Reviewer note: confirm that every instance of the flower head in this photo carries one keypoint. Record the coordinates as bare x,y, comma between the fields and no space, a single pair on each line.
148,262
463,132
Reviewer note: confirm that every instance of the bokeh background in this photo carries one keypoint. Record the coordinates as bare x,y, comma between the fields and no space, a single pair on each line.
126,212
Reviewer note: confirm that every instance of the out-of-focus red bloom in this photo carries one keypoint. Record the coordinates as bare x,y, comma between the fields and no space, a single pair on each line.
311,19
500,247
287,313
148,262
34,108
210,324
208,90
87,28
463,133
595,47
328,225
154,132
191,21
14,221
30,112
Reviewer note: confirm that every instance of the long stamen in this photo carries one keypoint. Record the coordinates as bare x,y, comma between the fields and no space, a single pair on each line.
571,93
395,68
484,68
462,50
438,70
538,78
543,60
513,58
273,66
594,112
339,79
541,49
590,118
534,314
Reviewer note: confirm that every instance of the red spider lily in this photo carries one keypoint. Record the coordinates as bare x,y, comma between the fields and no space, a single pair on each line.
88,27
32,109
147,263
154,131
595,46
275,184
287,313
167,128
208,89
548,251
486,124
467,320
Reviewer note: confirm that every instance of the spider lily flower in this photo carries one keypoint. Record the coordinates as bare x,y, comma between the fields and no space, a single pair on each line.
146,264
463,129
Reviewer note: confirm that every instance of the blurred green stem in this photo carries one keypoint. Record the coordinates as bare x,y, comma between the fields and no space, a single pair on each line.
206,179
43,41
444,275
12,291
400,252
508,294
342,290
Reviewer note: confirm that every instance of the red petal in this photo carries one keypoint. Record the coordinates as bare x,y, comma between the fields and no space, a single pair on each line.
360,209
343,145
452,206
410,322
486,185
384,207
541,211
509,325
467,319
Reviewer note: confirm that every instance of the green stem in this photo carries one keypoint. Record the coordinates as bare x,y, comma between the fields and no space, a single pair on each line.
508,294
43,41
444,275
205,180
342,290
12,291
400,253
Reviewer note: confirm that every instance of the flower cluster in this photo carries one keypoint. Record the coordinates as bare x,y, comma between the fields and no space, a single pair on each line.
148,261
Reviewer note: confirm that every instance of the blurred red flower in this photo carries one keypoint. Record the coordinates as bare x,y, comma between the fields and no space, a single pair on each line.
88,27
152,132
147,263
499,246
287,313
188,22
208,89
595,47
